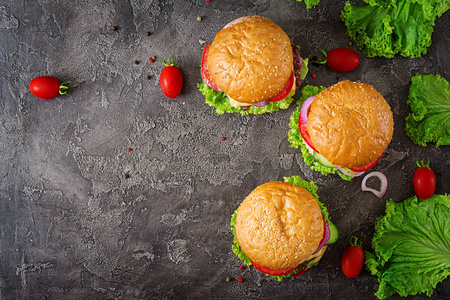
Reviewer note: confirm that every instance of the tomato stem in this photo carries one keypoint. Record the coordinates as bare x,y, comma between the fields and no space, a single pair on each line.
170,62
353,241
63,88
323,61
422,164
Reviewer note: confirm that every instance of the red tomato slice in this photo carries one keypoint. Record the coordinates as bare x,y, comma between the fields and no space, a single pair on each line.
285,91
299,273
304,133
205,72
273,272
365,167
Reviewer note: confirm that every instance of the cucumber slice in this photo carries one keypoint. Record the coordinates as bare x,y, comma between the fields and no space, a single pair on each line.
334,233
322,160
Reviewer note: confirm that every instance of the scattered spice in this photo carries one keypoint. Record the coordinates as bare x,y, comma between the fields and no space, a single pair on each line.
199,19
350,43
313,75
126,176
149,77
148,33
130,149
228,279
240,280
223,138
136,62
114,28
241,268
152,59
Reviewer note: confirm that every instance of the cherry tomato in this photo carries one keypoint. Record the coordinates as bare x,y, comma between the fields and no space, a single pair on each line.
352,260
424,181
366,167
341,59
270,271
47,87
171,80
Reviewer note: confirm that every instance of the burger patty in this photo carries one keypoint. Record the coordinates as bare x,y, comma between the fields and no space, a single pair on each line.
298,64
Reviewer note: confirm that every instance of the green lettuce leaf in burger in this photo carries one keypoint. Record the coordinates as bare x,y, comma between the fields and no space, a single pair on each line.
281,228
342,129
251,67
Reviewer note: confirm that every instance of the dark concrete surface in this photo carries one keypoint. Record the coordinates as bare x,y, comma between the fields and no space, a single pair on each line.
72,227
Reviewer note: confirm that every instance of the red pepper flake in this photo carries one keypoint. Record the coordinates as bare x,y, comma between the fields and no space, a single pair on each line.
223,138
148,33
130,149
313,75
241,268
240,280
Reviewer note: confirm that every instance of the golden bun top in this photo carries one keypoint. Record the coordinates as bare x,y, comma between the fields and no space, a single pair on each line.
250,59
350,123
279,225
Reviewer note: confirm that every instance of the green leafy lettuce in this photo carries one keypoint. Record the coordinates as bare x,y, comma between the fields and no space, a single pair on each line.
295,138
310,3
412,246
310,187
429,98
389,27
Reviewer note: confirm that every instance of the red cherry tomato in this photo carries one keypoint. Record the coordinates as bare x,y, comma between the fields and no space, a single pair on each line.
352,260
47,87
270,271
366,167
171,80
205,72
424,181
285,91
341,59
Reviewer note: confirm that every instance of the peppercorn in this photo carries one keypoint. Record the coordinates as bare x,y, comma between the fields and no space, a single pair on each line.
240,280
114,28
136,62
148,33
149,77
313,75
199,19
126,176
223,138
350,43
130,149
228,279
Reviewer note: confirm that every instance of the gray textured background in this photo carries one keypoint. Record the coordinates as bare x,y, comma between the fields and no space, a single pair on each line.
72,227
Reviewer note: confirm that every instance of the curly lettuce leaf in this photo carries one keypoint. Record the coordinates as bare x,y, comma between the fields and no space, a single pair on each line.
310,187
412,246
389,27
310,3
429,122
295,138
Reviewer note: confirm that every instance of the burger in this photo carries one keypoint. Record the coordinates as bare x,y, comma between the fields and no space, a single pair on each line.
281,228
251,67
343,129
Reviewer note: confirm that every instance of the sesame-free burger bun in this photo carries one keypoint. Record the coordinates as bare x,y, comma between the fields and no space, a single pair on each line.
279,225
251,59
350,124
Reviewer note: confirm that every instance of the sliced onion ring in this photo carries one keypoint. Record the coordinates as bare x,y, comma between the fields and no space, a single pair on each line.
305,108
353,174
325,238
260,104
383,185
